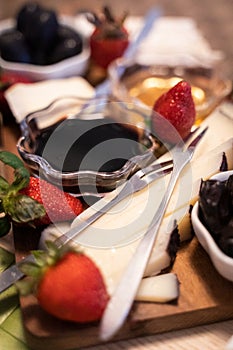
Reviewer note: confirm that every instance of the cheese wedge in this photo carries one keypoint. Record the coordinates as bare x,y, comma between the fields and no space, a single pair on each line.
160,289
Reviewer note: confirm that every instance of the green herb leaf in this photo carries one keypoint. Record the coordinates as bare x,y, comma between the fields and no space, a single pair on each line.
21,173
23,209
11,159
21,180
4,185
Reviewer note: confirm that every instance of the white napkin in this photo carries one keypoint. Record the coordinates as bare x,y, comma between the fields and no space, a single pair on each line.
172,41
27,98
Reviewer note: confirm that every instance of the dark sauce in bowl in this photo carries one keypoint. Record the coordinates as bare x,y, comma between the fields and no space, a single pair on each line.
101,145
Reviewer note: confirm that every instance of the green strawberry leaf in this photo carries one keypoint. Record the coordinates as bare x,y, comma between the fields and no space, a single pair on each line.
5,224
40,257
25,287
30,269
23,209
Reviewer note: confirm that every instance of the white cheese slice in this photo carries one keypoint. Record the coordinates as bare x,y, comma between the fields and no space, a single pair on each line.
162,288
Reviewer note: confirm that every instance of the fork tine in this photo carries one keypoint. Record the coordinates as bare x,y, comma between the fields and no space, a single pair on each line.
156,166
195,141
163,165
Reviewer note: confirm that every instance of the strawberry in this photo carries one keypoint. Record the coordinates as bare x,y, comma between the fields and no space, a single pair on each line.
59,206
177,107
30,200
109,38
67,284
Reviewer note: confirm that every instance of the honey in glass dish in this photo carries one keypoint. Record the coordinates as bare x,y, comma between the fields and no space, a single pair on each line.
145,83
150,89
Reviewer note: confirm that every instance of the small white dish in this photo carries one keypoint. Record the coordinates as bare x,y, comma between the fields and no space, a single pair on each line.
68,67
222,262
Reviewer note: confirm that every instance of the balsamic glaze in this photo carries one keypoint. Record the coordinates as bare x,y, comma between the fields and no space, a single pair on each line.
97,144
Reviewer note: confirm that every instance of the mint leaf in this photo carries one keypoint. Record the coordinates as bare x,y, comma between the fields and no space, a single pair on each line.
4,185
23,209
11,159
21,180
21,173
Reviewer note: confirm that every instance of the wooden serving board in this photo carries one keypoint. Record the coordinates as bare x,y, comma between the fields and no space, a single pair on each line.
205,297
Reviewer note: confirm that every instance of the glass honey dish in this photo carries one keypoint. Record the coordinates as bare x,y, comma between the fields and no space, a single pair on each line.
144,84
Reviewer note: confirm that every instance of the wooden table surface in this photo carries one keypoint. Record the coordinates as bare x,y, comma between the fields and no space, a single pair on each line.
214,18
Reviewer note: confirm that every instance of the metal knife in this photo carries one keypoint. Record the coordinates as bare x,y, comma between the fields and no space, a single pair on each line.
13,273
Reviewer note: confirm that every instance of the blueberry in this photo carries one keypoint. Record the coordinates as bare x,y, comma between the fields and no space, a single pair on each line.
226,242
69,43
38,25
13,47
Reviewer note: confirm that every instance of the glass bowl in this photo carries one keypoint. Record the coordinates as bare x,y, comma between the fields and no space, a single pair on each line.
142,84
87,146
222,262
68,67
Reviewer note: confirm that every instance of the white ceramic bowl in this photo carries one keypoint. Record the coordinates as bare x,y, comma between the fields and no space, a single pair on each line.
75,65
222,262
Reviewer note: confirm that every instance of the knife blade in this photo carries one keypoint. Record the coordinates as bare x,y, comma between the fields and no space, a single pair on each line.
13,273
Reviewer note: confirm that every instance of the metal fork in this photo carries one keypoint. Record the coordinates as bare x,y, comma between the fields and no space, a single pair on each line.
136,183
123,297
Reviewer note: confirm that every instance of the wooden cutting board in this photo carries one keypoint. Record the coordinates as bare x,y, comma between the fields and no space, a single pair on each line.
205,297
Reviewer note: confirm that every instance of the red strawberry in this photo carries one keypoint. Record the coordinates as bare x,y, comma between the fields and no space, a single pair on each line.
69,285
32,200
13,78
109,39
177,107
59,206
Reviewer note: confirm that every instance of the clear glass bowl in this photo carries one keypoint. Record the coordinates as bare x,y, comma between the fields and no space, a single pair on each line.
87,146
142,84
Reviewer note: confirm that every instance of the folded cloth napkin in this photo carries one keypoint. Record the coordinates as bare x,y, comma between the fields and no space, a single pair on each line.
176,41
27,98
172,41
